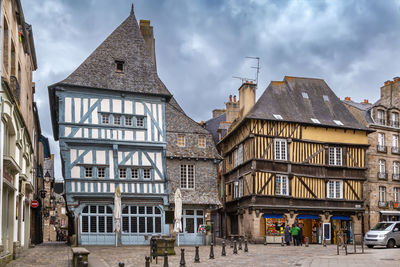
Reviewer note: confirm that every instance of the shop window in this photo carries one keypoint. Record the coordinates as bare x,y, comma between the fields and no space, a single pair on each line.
192,219
181,140
335,156
187,176
280,149
96,221
281,185
146,221
335,189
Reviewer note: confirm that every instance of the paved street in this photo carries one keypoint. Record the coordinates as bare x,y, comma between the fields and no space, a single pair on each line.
272,255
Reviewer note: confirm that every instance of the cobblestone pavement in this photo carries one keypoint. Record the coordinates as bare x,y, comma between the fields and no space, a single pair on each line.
258,255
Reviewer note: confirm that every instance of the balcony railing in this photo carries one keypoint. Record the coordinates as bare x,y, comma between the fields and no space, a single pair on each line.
382,204
395,150
395,176
380,121
382,149
395,124
382,175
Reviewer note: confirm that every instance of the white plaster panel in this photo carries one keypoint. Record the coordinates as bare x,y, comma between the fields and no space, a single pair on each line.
128,107
145,188
145,161
162,188
115,134
95,133
67,131
117,105
108,134
129,135
98,187
88,158
139,108
68,109
112,187
86,187
156,176
105,105
75,172
120,156
159,162
78,134
86,132
95,119
137,188
157,188
93,101
104,187
135,158
72,155
148,128
111,162
91,187
119,134
78,186
73,186
139,136
150,188
77,109
100,157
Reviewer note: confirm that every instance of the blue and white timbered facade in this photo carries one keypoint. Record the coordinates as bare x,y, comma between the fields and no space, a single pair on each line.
109,116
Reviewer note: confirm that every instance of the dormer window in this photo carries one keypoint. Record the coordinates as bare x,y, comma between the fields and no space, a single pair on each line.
277,116
119,64
305,95
395,119
315,120
381,120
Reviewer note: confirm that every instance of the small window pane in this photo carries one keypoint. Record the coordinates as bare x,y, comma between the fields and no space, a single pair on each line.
133,209
125,210
85,224
101,224
101,209
125,224
157,210
85,209
189,212
93,209
109,224
199,222
190,225
149,210
149,224
109,210
199,212
141,210
93,224
142,225
158,224
133,224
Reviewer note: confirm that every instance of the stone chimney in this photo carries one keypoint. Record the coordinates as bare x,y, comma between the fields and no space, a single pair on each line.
247,97
232,109
148,36
390,93
217,112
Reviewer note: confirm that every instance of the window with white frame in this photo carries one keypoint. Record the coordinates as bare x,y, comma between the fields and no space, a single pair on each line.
281,185
135,173
396,194
117,119
105,118
380,117
396,167
101,172
187,176
335,156
128,120
202,141
181,140
139,122
381,139
280,149
395,143
382,166
382,194
122,173
395,119
146,174
88,172
335,189
240,154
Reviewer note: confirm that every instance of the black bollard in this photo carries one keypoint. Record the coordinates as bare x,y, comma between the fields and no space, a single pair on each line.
307,241
197,257
235,247
212,251
85,264
121,264
240,243
223,253
324,243
165,258
282,242
147,261
231,245
265,240
80,260
182,263
246,249
337,248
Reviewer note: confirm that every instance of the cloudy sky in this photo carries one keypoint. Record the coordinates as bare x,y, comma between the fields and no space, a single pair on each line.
200,45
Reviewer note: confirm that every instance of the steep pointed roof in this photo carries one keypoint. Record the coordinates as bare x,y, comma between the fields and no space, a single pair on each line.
124,44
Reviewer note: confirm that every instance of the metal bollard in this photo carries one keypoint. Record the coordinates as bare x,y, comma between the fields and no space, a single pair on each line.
235,247
265,240
121,264
165,258
85,264
240,243
324,243
80,260
282,242
345,249
212,251
182,263
223,253
307,241
231,245
246,249
337,243
147,261
197,257
362,246
354,243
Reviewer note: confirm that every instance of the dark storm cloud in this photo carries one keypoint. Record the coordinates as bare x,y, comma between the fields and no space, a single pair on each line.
200,45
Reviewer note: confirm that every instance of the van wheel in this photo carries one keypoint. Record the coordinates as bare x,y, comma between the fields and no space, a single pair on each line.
370,246
391,243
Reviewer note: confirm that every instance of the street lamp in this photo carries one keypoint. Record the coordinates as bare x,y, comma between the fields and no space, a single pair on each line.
42,193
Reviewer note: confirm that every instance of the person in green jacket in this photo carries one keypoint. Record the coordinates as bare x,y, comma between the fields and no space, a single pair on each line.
294,231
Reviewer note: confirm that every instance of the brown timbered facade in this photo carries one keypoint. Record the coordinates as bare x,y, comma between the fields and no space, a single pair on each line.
297,155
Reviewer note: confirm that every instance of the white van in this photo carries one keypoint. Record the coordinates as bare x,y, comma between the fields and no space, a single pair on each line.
383,234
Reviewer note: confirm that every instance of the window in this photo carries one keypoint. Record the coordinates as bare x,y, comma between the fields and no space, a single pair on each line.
97,219
101,172
240,154
128,121
202,141
105,119
117,119
381,139
382,194
147,220
119,64
395,119
335,189
338,122
395,170
192,219
395,143
305,95
122,173
315,120
335,156
382,166
135,174
181,140
139,122
326,98
381,121
396,194
280,149
277,116
281,185
88,172
187,176
146,173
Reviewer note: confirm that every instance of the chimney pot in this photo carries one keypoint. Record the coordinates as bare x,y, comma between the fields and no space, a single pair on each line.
387,82
396,79
366,101
234,98
230,98
347,98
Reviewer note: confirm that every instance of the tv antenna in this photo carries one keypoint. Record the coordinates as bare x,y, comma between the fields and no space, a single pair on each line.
243,79
257,68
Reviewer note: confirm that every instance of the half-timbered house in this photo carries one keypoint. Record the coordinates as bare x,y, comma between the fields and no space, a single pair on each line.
109,116
296,155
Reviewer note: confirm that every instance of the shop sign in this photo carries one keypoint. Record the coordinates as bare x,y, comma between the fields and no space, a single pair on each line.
202,229
34,204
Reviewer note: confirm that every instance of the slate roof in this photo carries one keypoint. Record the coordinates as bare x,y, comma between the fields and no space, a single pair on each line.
126,44
361,111
285,98
212,125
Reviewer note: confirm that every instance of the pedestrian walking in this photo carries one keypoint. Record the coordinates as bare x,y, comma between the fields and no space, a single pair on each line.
287,235
294,231
300,235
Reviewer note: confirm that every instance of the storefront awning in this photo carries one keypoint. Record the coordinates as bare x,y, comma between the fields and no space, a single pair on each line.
307,216
390,212
272,216
342,218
